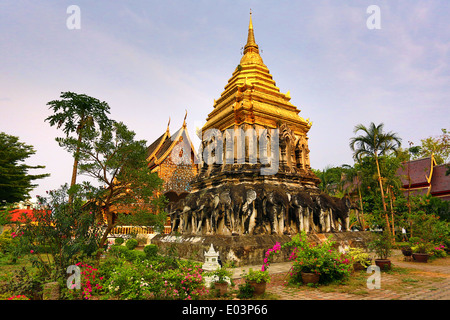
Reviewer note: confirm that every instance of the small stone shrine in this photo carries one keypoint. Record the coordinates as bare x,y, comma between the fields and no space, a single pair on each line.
211,260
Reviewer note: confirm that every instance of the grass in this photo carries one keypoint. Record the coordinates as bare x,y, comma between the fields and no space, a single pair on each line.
410,280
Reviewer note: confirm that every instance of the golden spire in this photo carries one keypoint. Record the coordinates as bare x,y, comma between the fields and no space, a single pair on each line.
252,97
251,44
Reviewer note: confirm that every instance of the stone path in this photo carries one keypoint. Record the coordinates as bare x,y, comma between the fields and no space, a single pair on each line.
407,281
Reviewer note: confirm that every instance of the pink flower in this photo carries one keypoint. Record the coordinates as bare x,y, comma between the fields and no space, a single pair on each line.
31,251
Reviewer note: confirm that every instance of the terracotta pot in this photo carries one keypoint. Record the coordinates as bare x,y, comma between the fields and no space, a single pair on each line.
384,264
308,277
421,257
222,287
260,288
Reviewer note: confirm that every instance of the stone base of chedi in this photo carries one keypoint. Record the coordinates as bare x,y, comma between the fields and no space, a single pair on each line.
253,208
248,250
244,218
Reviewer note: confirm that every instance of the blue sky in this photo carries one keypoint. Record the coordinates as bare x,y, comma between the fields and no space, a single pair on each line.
151,60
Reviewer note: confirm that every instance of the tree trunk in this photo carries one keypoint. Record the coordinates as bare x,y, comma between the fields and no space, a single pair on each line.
409,203
362,222
382,193
104,238
75,167
392,212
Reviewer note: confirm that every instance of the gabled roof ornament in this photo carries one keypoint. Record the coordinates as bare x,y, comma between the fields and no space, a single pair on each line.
168,123
184,121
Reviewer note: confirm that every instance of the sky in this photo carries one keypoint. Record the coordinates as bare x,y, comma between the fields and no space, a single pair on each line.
151,60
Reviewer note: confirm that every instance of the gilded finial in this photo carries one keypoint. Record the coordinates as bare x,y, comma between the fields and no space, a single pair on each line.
184,121
251,44
168,123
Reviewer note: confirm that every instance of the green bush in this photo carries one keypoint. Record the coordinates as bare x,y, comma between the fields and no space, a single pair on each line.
131,244
124,252
245,291
5,241
151,250
119,241
118,251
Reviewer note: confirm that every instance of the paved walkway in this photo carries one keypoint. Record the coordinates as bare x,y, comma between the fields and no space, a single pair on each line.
407,281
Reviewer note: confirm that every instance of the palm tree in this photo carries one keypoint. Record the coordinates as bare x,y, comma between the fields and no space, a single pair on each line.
76,112
373,142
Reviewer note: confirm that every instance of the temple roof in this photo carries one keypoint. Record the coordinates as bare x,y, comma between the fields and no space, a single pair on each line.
440,183
251,96
426,178
155,146
420,172
163,146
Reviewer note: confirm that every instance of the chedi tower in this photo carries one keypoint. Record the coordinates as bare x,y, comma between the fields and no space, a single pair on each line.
255,182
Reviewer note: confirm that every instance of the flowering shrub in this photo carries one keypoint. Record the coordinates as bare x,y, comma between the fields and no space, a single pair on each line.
64,231
320,258
419,245
276,249
185,283
154,279
357,255
90,281
438,251
126,281
18,297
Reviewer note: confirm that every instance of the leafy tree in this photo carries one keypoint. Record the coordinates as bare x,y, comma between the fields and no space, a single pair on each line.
118,163
75,113
373,142
60,233
330,179
439,146
15,181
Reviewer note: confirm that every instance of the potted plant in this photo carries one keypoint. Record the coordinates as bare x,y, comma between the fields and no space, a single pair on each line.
221,277
420,249
407,252
258,280
382,246
361,259
309,267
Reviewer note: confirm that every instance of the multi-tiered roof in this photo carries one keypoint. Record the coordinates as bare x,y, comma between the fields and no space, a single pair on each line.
252,97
